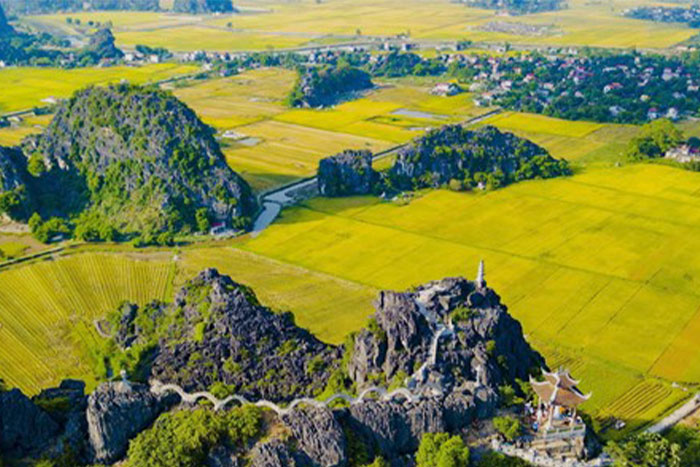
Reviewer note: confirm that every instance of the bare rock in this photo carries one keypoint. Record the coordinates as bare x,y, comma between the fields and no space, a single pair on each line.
319,436
345,174
116,413
25,429
274,453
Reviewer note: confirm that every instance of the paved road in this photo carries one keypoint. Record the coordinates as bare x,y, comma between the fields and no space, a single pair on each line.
686,409
275,200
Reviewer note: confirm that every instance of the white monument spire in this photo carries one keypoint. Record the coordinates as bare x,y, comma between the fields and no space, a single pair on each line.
480,279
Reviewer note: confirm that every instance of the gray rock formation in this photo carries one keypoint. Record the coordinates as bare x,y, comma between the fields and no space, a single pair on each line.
15,197
227,336
345,174
116,413
25,429
319,436
456,153
273,453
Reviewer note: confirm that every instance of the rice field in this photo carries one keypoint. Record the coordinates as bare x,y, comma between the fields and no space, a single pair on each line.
24,88
47,311
274,144
579,142
600,268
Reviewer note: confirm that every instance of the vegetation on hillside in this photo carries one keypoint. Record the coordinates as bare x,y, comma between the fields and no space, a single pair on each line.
123,162
464,158
518,7
40,7
186,438
323,87
654,139
203,6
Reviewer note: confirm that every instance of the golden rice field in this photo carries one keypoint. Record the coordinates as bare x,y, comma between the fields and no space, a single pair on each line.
24,88
291,24
582,143
286,144
601,268
47,311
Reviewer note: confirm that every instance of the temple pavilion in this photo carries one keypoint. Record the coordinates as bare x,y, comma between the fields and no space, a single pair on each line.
559,399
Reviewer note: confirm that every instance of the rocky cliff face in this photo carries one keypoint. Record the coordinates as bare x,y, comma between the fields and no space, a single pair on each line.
450,343
15,196
116,412
455,153
324,87
102,45
482,345
346,174
25,429
135,158
217,331
203,6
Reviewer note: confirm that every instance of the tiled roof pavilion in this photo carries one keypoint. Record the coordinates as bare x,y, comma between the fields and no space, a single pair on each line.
559,389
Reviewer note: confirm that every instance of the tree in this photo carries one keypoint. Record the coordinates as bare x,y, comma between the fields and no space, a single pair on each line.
441,450
654,140
203,221
646,450
509,427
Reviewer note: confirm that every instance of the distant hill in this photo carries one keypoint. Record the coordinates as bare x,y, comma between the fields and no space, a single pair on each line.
203,6
5,28
518,6
34,7
324,87
125,160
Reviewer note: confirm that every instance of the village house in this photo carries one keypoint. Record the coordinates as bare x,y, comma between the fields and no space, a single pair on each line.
683,154
445,89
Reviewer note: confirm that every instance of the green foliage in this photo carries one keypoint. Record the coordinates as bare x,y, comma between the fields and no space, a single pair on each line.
461,314
203,221
47,231
36,165
376,330
321,87
509,397
647,450
689,441
184,438
496,459
57,404
441,450
507,426
654,140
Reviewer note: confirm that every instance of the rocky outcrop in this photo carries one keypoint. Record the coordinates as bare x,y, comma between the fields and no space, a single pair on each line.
25,429
15,198
203,6
322,88
135,159
319,437
218,332
102,45
116,413
273,453
480,157
346,174
481,349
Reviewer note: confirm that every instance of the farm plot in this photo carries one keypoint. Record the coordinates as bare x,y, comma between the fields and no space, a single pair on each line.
576,141
246,98
327,306
282,152
198,37
600,268
47,311
24,88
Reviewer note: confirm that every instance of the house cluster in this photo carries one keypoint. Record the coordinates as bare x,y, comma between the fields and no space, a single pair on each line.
625,87
684,153
666,14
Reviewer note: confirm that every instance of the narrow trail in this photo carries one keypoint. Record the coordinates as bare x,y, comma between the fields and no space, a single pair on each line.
417,381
